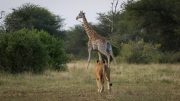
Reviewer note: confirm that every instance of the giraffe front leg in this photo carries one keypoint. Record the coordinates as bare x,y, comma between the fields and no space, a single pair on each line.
107,55
99,54
89,58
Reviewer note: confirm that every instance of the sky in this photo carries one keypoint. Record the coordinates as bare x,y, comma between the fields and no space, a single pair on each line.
67,9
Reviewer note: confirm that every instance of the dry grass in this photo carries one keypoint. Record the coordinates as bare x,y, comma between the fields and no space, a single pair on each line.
153,82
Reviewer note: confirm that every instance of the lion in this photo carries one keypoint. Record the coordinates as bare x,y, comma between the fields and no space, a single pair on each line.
102,71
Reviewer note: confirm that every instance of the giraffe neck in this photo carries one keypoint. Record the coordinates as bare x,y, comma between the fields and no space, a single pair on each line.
88,29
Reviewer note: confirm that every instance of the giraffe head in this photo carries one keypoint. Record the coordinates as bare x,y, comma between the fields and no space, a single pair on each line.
80,15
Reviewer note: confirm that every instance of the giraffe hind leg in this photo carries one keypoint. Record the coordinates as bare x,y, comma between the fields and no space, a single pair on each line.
114,59
111,53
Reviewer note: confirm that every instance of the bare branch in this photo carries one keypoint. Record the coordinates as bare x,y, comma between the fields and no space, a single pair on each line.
116,6
108,19
2,13
112,7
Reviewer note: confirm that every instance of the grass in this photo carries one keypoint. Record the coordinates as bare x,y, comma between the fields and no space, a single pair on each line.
131,82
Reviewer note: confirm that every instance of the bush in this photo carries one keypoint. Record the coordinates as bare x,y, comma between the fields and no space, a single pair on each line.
56,52
140,52
34,51
22,51
170,57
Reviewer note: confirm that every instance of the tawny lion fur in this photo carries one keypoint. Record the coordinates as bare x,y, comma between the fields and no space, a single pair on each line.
102,71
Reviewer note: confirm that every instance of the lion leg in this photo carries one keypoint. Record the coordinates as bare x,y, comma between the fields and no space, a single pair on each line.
98,84
109,84
102,85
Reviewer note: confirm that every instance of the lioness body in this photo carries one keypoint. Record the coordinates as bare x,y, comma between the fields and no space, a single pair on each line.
102,72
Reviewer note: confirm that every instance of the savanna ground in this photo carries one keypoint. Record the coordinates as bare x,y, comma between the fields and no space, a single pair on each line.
131,82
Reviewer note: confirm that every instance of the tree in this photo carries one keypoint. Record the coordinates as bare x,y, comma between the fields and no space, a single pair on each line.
34,17
76,42
108,21
157,21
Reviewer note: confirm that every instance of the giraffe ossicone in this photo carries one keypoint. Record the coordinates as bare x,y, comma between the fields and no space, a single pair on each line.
96,42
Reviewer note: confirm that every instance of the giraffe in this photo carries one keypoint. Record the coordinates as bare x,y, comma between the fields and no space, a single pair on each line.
96,42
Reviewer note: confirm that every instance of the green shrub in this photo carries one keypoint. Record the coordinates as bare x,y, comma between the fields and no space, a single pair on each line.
22,51
56,52
140,52
34,51
170,57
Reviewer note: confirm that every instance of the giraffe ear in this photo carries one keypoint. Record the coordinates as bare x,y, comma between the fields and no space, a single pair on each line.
104,61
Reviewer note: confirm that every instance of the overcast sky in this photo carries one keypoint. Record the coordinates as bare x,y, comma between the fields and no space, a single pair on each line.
67,9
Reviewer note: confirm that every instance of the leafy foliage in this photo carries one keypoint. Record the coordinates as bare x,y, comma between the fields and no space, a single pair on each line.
140,52
170,57
56,52
157,20
34,51
34,17
22,51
